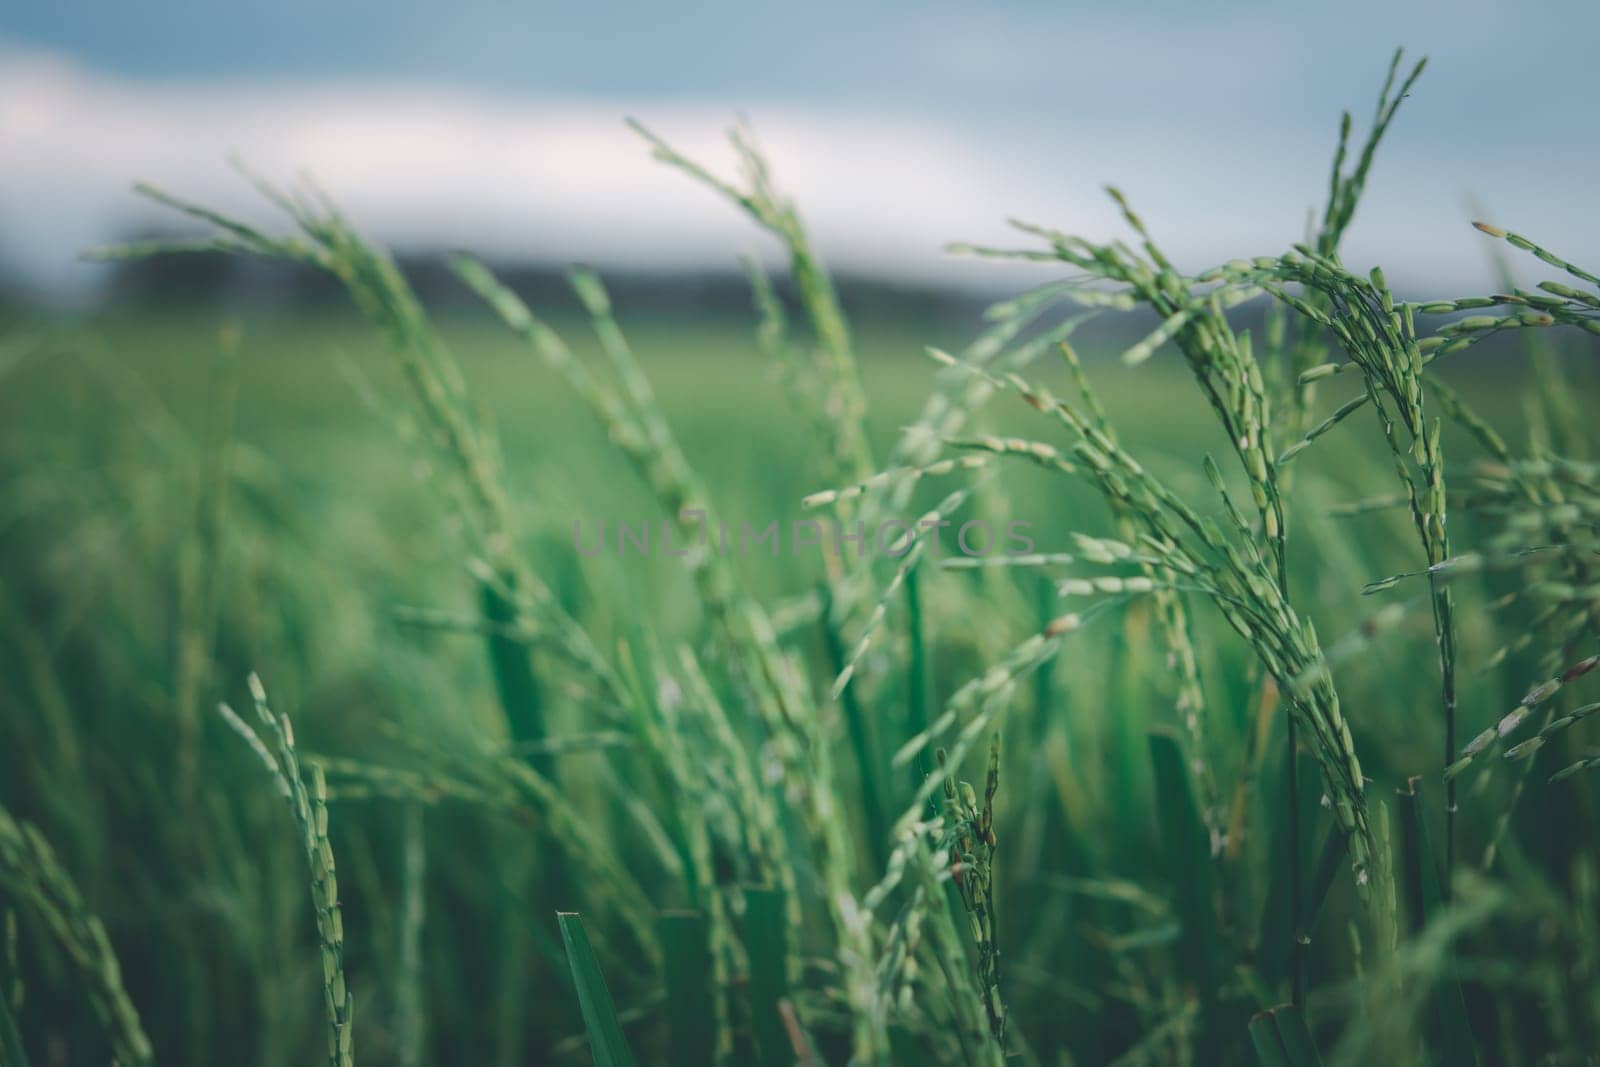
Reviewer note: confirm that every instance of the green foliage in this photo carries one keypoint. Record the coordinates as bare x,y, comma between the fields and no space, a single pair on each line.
1281,1039
1187,853
844,808
606,1041
308,804
1450,1035
30,872
691,988
767,940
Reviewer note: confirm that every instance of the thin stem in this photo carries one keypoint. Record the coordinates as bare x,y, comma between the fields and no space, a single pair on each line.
1446,632
1297,960
1297,955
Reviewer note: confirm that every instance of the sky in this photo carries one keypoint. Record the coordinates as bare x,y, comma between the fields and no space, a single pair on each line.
898,127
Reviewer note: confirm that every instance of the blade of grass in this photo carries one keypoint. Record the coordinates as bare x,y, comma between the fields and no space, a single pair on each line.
12,1053
916,674
1334,847
1268,1043
766,936
862,741
606,1042
1296,1037
1281,1038
1286,917
1450,1034
691,1022
1188,853
514,679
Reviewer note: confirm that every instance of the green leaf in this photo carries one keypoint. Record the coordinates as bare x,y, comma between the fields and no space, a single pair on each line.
12,1053
1329,863
514,681
1450,1035
1278,934
606,1043
1268,1045
863,742
1187,847
1281,1038
766,941
916,675
691,1020
1296,1037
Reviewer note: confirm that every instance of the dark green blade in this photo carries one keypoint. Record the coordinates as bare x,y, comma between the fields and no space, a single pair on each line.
766,940
12,1053
1450,1035
1268,1045
1282,1039
691,1018
1296,1037
1329,864
916,676
606,1043
863,742
1187,846
1278,935
512,667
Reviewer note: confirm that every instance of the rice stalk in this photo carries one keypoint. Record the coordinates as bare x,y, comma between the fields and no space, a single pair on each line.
641,433
328,242
1243,586
843,399
309,807
34,877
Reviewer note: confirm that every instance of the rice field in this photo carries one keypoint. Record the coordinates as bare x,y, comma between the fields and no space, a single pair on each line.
1158,668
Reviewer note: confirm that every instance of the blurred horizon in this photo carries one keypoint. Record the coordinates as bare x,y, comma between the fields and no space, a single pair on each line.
502,131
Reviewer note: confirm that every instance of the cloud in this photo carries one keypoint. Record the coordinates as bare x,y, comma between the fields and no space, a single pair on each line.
546,179
559,177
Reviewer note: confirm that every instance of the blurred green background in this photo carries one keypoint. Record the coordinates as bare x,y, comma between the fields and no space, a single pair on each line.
192,493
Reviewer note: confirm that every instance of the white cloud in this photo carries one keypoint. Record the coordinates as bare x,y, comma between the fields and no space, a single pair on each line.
544,178
561,178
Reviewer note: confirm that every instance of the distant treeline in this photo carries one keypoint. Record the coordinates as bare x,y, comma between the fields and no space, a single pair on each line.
216,278
212,280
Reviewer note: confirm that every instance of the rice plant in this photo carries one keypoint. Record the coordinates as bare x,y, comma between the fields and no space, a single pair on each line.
309,806
1165,787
